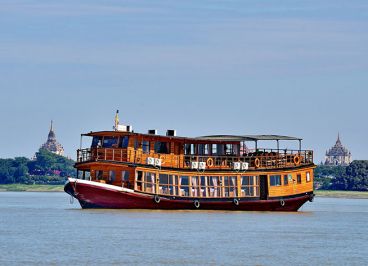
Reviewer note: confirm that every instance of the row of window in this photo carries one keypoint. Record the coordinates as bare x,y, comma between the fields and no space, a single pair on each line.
110,142
197,186
275,180
211,149
164,147
110,176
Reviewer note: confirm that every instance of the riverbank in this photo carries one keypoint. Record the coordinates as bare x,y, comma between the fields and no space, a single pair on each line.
31,188
341,194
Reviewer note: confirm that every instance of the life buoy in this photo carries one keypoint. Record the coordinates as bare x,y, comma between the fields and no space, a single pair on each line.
296,160
282,203
196,204
236,202
157,199
257,163
209,162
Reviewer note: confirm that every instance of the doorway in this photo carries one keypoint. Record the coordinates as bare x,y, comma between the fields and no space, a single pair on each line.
263,184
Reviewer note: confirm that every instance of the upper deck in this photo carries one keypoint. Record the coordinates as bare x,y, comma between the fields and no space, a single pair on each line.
221,152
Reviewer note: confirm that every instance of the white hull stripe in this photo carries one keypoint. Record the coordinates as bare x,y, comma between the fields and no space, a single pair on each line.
98,184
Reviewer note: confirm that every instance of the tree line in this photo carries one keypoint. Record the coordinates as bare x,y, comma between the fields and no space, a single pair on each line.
351,177
49,168
46,168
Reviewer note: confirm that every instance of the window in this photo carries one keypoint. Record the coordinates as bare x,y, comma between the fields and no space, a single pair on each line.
220,149
86,175
149,182
190,149
111,176
171,187
163,184
195,189
99,174
204,186
250,186
299,178
184,186
145,146
231,149
228,149
214,149
125,175
124,142
96,141
162,147
139,179
214,186
230,185
109,142
307,177
286,180
275,180
203,149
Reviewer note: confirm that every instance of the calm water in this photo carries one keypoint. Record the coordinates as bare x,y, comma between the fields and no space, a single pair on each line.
43,228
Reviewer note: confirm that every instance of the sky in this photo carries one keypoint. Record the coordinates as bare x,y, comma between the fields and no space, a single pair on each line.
202,67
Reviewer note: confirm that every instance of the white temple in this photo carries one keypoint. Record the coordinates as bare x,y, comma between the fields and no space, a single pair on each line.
338,154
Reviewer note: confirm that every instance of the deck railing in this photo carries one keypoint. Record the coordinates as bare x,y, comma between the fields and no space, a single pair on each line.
260,159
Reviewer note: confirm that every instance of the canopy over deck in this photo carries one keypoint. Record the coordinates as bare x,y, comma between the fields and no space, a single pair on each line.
254,138
248,137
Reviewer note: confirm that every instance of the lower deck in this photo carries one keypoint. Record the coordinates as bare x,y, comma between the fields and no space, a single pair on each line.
93,194
202,185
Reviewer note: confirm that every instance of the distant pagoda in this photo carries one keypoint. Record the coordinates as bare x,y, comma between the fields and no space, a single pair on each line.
51,144
338,154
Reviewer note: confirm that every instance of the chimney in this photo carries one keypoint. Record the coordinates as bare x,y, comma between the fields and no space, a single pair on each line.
152,131
171,133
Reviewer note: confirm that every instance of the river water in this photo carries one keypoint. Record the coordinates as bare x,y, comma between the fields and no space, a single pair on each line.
44,228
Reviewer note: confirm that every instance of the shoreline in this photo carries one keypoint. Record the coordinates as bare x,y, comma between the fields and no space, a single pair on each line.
31,188
341,194
60,188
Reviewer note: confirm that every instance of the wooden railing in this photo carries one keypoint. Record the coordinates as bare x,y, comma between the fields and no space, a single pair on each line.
265,158
261,159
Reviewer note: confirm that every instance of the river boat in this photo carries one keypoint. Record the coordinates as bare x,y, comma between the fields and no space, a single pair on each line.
122,169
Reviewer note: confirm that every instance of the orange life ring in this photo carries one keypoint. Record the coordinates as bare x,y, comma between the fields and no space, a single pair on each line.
209,162
296,160
257,163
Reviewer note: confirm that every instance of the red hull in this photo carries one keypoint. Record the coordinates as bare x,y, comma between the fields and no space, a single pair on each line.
93,195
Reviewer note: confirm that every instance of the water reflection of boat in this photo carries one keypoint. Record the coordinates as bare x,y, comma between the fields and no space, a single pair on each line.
123,169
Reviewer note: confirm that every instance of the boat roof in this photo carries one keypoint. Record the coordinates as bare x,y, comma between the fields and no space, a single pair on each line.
222,138
248,137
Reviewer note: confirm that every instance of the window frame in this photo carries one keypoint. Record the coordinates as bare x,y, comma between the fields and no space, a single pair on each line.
299,178
275,184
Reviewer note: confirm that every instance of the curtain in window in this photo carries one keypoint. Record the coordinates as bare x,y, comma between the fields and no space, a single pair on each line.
233,184
153,183
205,186
194,186
214,180
179,183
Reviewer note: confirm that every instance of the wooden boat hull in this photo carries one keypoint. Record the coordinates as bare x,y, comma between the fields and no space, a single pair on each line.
95,195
